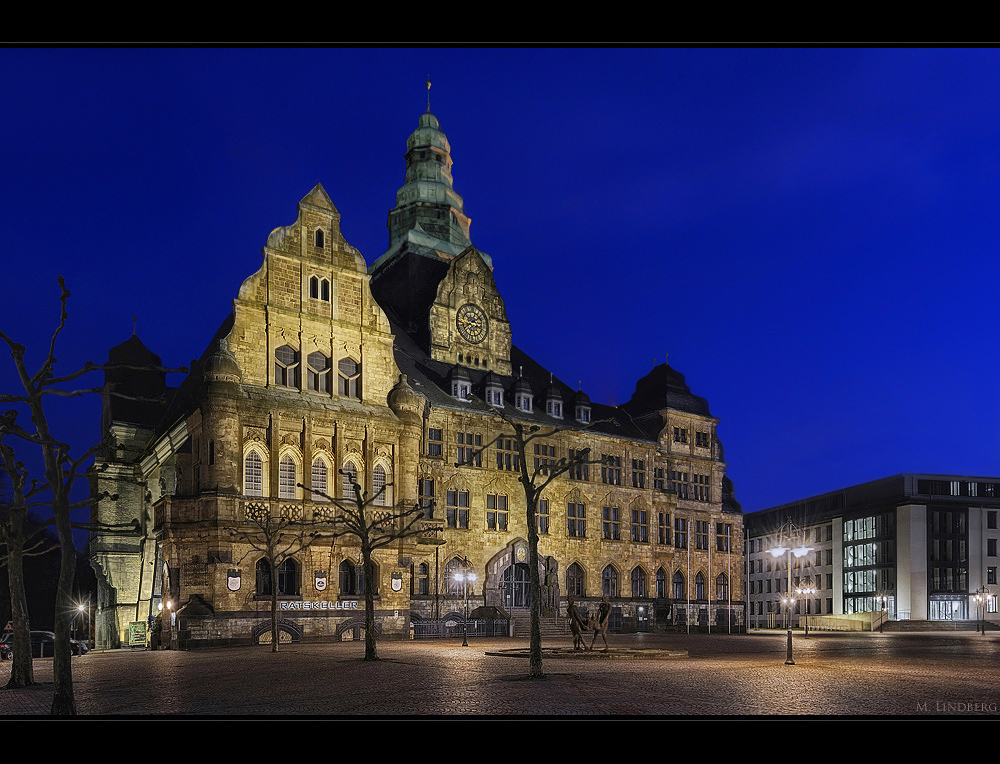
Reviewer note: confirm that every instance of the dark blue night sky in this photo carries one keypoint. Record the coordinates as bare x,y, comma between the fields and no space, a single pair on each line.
811,235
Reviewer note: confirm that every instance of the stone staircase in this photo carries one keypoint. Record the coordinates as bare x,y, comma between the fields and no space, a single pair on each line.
552,626
919,626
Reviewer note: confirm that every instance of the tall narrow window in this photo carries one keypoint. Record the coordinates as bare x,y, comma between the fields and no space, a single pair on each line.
574,580
638,582
379,488
349,373
576,520
609,582
319,478
350,479
253,474
286,477
699,587
425,489
319,238
496,512
612,529
458,509
678,586
543,517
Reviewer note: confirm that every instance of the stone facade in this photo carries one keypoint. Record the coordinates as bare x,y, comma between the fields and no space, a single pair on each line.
403,375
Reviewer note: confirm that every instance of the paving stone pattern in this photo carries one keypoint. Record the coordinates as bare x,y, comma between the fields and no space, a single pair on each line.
643,675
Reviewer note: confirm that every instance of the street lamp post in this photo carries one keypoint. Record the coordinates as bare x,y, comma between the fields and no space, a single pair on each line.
790,542
982,596
804,590
465,577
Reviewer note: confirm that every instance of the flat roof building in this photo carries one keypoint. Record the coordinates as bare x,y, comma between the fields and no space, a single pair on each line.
926,543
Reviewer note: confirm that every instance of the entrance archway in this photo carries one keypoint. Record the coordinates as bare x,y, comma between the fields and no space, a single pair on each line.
515,586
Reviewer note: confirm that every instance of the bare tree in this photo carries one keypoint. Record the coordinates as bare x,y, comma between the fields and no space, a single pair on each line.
61,471
278,539
375,526
534,481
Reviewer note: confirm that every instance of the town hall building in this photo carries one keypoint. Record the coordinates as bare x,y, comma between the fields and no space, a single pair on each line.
398,376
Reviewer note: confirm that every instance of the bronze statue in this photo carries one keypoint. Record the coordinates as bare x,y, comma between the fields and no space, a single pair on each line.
600,623
576,624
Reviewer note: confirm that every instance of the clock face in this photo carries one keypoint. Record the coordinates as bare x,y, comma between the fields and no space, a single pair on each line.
473,324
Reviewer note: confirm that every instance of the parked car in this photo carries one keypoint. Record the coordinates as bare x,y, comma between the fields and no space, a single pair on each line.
42,645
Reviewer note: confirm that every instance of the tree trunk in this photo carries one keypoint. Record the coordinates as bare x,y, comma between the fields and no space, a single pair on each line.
274,605
63,701
371,645
22,672
535,648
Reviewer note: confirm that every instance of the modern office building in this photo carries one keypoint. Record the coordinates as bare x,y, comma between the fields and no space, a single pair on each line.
927,544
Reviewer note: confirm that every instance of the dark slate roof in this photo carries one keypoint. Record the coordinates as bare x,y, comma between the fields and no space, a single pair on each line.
431,379
148,383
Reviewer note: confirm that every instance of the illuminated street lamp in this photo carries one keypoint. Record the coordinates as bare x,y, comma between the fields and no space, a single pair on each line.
882,600
791,541
982,597
466,576
805,589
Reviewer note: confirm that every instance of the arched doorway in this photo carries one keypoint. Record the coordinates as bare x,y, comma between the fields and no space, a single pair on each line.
515,586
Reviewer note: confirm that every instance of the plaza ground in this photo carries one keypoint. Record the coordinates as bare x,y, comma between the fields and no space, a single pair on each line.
835,674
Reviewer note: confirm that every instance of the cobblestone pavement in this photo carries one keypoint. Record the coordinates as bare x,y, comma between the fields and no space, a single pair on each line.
928,675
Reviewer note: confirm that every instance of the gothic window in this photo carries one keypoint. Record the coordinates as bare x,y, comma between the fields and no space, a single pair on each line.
379,488
722,587
350,478
454,572
286,574
458,509
253,474
320,478
349,374
507,455
434,442
609,582
678,586
496,512
699,587
469,451
574,580
425,489
287,477
543,517
640,526
576,520
612,528
423,579
348,577
318,372
638,582
286,365
661,584
314,287
319,239
324,290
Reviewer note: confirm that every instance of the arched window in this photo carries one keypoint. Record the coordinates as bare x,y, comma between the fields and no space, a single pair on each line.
286,366
347,577
661,584
318,372
699,587
638,582
253,474
678,586
314,287
324,290
722,587
320,475
423,579
350,479
318,238
379,488
287,477
609,582
574,580
454,582
349,375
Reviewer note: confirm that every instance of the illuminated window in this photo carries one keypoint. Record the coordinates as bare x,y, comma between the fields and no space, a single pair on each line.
253,474
286,366
287,477
379,487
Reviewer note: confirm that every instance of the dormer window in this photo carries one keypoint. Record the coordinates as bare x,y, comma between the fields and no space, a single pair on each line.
553,408
460,390
523,401
583,414
494,397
